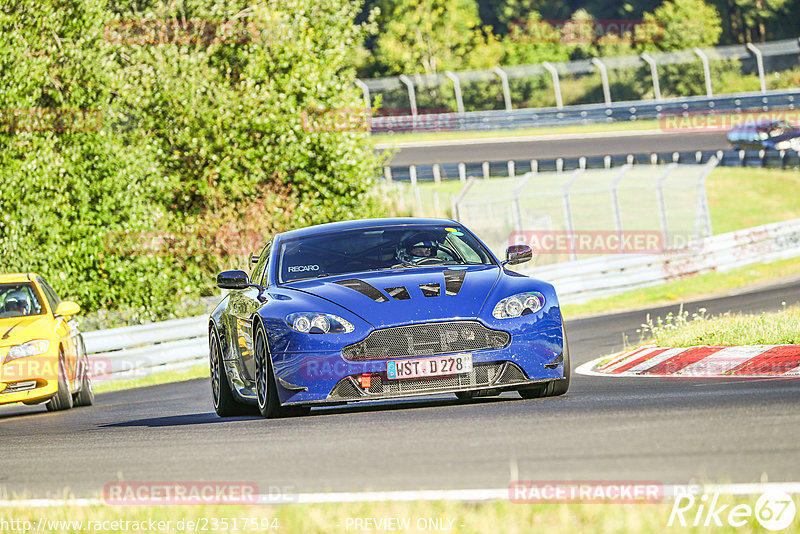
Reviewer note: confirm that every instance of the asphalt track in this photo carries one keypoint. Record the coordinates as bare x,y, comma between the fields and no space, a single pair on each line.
566,146
604,428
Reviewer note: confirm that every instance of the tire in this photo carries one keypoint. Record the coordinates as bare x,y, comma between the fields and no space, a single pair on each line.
62,400
556,387
225,404
84,397
269,404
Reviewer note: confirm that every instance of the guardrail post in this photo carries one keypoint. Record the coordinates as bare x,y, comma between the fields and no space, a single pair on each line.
556,84
412,97
760,64
485,167
457,88
653,73
437,174
568,213
706,70
412,174
462,172
615,202
662,206
604,77
534,165
506,90
387,173
511,169
367,99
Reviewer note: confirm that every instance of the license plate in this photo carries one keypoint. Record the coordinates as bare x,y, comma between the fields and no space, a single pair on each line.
422,367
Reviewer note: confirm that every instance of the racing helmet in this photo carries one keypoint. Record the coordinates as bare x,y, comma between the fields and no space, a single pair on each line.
17,301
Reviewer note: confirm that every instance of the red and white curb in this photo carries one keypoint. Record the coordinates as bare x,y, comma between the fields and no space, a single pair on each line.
700,362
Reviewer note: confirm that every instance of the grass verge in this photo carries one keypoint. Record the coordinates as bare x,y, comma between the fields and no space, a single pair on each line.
695,287
768,328
430,516
196,371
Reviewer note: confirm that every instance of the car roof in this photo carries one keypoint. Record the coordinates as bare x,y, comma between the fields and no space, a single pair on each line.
362,223
11,278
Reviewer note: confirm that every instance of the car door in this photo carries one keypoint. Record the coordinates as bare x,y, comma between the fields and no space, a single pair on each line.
242,306
66,329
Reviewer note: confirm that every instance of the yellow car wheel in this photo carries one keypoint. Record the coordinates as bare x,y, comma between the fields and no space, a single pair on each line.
62,400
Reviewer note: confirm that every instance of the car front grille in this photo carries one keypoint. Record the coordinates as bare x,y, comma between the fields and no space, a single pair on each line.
426,340
492,374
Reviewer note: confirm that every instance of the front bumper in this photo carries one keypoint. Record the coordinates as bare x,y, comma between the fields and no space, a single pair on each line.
529,359
28,379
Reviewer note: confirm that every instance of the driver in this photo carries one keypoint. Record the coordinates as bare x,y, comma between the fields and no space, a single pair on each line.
18,303
417,251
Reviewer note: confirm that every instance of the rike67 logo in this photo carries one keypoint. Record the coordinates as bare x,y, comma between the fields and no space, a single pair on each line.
774,510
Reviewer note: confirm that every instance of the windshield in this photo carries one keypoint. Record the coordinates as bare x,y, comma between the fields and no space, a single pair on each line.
378,248
19,300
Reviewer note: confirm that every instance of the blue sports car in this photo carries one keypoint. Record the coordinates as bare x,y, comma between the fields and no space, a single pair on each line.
382,309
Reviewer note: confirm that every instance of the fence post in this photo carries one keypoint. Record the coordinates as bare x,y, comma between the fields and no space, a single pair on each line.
615,202
515,200
653,73
706,70
604,77
412,97
568,213
457,199
506,90
760,64
457,88
703,217
556,85
662,206
367,99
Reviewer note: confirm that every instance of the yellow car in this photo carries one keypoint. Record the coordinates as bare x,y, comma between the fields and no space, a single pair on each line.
42,355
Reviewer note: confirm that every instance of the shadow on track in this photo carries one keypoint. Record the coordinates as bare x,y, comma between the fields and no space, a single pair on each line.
176,420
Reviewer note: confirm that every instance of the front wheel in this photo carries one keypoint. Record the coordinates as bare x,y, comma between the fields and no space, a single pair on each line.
62,400
269,405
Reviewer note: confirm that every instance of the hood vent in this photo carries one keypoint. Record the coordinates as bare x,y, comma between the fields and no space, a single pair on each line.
453,281
363,288
431,290
398,293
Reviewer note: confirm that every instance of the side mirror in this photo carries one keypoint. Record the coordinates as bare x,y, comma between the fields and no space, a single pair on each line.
67,309
232,280
516,254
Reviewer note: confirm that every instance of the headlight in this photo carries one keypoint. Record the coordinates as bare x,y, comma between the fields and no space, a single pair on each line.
318,323
31,348
517,305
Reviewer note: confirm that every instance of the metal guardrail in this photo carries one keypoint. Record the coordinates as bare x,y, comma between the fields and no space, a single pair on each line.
581,280
168,345
587,113
136,351
785,159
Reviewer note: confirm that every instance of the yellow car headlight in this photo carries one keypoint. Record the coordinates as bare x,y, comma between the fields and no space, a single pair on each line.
30,348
